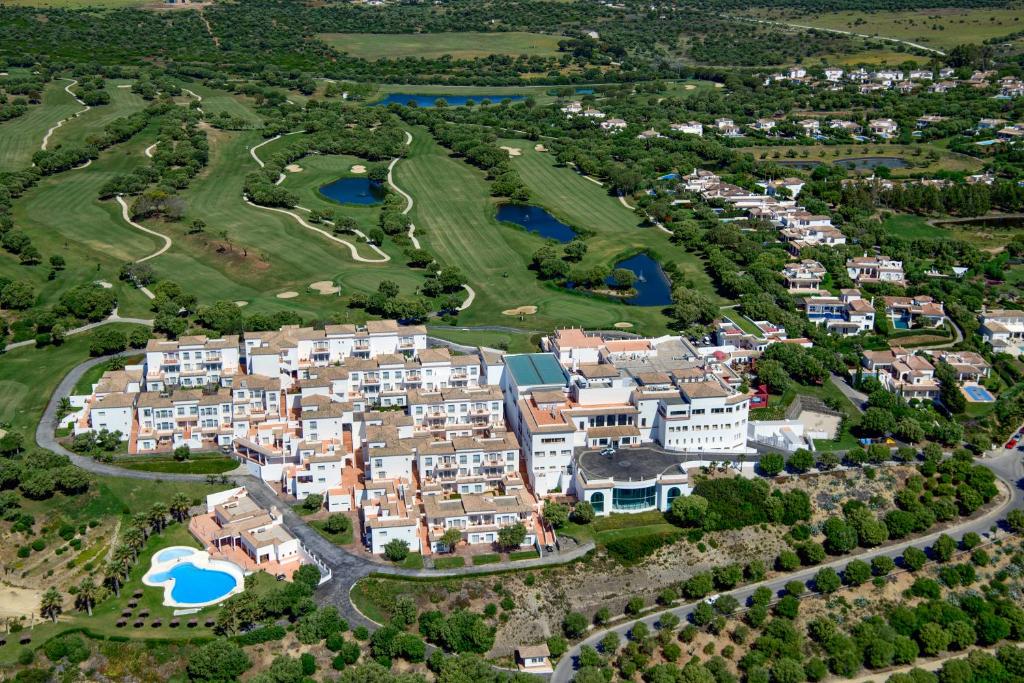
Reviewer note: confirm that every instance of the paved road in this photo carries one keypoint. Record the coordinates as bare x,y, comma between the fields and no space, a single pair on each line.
112,318
1007,465
857,398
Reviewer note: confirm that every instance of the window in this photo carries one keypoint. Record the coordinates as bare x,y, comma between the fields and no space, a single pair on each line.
673,493
597,501
634,499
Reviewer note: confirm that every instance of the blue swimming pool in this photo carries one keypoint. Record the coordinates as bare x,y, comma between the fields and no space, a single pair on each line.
173,554
979,394
196,586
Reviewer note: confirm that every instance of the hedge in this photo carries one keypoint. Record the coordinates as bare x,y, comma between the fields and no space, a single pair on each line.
634,548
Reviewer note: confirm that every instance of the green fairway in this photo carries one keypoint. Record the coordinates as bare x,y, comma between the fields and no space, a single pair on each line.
123,102
63,216
454,217
219,101
20,138
468,45
583,203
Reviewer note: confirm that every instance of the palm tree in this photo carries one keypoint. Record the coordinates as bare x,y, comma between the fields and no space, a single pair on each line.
134,538
141,521
64,407
180,506
51,604
112,577
123,560
157,516
87,594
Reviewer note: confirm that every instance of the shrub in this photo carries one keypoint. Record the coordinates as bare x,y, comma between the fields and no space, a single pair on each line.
261,635
635,548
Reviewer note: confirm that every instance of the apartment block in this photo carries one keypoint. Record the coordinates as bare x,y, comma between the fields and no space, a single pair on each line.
193,361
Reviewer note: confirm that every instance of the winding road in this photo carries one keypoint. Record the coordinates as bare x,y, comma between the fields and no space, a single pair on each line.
842,33
67,89
347,566
125,213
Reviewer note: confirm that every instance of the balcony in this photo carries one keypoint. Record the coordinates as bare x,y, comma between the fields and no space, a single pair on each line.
479,410
407,343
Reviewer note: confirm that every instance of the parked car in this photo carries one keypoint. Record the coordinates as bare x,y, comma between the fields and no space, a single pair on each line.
1011,443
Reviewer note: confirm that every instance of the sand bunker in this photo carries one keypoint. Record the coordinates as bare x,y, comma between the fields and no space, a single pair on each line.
104,284
623,325
324,287
513,151
358,168
522,310
540,148
287,295
241,303
293,168
719,85
689,86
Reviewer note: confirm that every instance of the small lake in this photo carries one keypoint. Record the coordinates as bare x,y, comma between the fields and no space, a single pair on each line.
452,100
354,191
856,163
653,288
536,220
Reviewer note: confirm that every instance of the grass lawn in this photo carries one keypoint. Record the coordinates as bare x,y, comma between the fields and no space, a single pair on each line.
579,202
490,558
463,45
455,220
93,374
939,28
198,463
912,226
20,138
450,562
506,341
107,612
344,538
523,555
619,525
28,376
63,216
123,102
412,561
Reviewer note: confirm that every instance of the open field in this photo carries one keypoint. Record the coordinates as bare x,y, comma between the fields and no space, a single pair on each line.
506,341
454,219
20,138
879,57
911,226
938,28
468,45
580,202
218,101
28,376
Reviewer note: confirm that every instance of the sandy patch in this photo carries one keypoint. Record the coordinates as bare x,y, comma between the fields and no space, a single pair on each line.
358,168
16,601
324,287
104,284
719,85
689,86
540,148
293,168
287,295
522,310
241,303
623,325
513,151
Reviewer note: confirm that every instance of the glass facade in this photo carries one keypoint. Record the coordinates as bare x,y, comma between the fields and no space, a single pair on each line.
634,499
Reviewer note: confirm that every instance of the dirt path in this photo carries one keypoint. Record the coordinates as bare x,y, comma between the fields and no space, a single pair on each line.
128,219
112,318
67,89
844,33
926,664
406,195
351,247
209,29
149,150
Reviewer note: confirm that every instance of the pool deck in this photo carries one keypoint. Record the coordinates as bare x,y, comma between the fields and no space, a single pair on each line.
972,398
